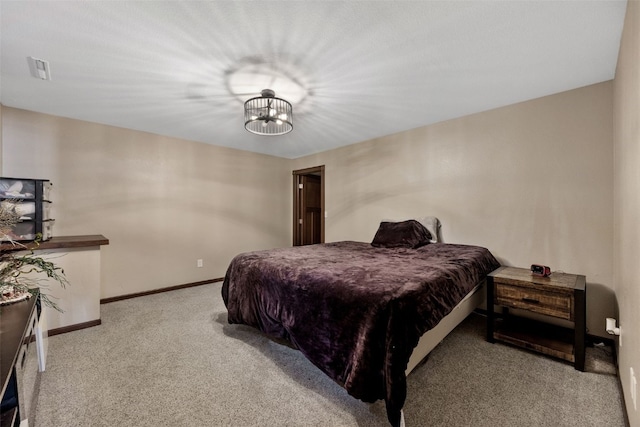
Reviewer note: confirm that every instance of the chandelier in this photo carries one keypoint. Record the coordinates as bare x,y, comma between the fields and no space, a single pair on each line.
268,115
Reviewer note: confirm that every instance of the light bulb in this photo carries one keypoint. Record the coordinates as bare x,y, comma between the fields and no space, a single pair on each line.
278,122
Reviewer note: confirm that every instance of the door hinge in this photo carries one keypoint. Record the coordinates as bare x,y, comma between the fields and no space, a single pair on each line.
300,186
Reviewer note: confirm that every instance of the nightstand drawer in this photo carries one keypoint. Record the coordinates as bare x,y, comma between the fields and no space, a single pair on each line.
537,301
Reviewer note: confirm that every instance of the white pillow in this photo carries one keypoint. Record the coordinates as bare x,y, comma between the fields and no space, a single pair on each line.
432,224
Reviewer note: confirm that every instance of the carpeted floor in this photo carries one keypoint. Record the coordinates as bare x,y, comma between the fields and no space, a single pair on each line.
171,359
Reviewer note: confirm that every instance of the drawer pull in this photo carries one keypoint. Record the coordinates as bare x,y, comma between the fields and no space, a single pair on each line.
531,300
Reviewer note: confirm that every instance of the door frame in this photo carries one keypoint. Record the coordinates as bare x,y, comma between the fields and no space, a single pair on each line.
298,202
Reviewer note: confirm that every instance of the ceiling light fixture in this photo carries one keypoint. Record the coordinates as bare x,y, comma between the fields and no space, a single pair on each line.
268,115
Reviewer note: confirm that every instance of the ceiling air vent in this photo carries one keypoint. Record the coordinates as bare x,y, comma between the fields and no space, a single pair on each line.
39,68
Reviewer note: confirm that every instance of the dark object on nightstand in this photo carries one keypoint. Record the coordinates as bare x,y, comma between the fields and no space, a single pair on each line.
540,270
561,296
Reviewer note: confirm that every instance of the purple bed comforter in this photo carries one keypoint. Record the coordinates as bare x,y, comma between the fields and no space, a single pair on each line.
355,311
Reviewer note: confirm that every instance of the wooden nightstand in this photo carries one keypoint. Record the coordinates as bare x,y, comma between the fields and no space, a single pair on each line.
560,295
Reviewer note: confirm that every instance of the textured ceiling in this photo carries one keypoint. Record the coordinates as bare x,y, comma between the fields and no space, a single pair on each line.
368,68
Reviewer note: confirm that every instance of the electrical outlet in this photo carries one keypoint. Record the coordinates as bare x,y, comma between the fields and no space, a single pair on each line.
634,389
199,263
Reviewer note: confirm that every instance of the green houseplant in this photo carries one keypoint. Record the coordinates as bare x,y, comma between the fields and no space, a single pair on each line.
23,273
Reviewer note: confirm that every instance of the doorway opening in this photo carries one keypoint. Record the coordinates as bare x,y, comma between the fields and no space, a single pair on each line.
308,206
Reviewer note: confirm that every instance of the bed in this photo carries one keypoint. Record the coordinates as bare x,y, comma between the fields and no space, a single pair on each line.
358,310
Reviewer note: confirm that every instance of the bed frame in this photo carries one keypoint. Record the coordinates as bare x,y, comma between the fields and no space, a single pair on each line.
433,336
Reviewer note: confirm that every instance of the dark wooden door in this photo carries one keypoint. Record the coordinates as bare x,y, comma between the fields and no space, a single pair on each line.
311,210
308,201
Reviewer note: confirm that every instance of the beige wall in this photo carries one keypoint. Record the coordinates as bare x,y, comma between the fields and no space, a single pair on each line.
162,202
627,202
532,182
1,139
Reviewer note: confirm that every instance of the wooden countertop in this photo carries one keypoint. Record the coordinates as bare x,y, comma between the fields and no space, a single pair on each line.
61,242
